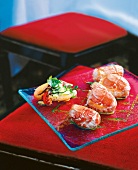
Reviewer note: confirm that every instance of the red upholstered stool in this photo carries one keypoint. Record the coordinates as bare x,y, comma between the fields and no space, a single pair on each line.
61,41
69,33
26,140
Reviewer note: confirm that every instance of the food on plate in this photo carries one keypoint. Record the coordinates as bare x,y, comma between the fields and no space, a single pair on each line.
84,117
100,72
100,99
117,85
54,90
39,91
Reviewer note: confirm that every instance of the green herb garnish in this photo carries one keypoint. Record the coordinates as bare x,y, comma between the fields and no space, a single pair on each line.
75,87
58,87
90,83
53,82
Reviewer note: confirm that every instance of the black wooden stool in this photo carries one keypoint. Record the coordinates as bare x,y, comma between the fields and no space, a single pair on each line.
61,41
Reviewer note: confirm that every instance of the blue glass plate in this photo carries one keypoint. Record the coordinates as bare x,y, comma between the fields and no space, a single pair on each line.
56,116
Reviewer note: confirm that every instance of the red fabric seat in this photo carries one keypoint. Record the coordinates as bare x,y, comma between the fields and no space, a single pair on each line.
24,128
69,32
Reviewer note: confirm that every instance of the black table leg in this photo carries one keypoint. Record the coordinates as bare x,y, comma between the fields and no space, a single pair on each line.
6,79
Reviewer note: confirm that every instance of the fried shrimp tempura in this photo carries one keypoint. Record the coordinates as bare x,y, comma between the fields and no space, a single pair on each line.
84,117
101,72
117,85
100,99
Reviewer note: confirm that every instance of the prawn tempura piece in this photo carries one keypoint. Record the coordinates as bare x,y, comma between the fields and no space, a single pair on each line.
100,99
100,72
84,117
117,85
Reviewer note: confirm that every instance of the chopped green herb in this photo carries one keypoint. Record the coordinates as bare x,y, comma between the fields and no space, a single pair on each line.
58,87
56,108
75,87
53,82
90,83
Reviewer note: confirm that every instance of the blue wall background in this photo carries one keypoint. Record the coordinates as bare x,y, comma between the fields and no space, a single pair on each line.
6,7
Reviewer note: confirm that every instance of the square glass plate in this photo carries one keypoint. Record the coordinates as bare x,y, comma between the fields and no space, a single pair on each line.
56,116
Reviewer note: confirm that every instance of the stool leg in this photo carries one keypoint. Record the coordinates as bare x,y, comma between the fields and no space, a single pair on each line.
133,66
133,56
63,60
67,60
6,79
